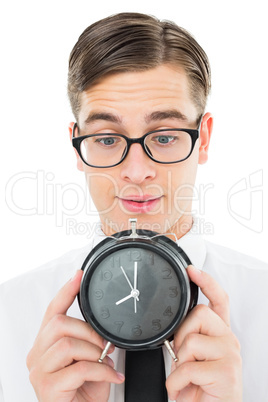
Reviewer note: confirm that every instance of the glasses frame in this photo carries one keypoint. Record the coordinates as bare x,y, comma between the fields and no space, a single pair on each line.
76,141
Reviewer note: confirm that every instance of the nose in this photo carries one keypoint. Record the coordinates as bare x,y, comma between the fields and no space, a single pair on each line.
137,166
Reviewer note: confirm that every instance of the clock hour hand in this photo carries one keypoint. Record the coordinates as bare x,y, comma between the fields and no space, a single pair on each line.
124,299
134,293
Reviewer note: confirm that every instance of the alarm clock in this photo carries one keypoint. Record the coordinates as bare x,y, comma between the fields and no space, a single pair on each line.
135,290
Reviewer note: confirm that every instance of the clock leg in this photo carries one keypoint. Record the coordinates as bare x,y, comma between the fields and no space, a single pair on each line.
170,350
104,352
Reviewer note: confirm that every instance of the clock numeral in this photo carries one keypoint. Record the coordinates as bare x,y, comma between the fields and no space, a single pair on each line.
115,261
168,312
166,273
105,313
119,325
134,255
106,275
137,330
173,291
156,325
98,293
150,258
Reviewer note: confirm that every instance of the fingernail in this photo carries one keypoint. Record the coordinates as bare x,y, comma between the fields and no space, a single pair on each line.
120,376
195,269
73,278
172,397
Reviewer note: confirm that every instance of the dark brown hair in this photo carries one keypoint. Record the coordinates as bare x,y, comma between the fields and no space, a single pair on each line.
135,42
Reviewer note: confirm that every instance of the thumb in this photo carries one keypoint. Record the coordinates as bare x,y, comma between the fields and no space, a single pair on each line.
63,299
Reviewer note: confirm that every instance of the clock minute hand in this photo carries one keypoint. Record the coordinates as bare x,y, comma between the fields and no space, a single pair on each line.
135,285
135,275
128,281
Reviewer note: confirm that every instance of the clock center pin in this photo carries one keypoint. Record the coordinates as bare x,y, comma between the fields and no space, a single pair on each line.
135,293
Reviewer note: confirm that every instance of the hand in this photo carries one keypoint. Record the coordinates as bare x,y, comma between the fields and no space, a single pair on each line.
63,361
209,366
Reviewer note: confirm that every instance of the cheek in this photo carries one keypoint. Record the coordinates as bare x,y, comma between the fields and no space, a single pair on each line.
183,183
102,187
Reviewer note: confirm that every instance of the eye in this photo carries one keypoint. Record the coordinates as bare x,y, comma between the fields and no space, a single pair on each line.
107,140
164,139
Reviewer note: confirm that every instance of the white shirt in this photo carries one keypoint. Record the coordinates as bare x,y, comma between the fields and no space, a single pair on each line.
24,300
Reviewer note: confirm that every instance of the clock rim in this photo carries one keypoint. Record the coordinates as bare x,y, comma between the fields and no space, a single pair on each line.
179,261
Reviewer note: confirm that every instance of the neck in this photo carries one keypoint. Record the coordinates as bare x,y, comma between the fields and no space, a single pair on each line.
182,226
179,229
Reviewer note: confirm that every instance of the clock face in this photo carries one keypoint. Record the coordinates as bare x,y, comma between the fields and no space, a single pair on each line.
135,296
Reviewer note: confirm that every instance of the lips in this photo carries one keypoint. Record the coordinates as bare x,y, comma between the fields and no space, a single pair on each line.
140,204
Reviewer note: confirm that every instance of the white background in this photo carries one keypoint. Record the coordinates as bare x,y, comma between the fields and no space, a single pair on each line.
38,170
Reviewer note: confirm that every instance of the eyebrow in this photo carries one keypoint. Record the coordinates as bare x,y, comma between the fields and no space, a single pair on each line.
165,114
103,116
154,116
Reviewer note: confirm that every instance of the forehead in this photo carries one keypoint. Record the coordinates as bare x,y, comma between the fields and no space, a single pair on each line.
136,94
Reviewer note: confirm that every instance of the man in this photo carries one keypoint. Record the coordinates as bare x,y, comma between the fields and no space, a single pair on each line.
133,75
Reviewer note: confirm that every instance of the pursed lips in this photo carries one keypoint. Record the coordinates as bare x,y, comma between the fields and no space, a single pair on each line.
140,204
138,198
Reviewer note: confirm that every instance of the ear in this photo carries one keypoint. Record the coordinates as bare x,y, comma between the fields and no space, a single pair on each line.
204,137
78,159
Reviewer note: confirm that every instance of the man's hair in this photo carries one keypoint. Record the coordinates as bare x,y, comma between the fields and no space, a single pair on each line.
136,42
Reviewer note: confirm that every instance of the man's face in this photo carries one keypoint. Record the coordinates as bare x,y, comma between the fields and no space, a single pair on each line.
158,195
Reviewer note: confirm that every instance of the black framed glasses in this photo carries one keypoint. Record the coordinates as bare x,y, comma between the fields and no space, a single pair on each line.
171,145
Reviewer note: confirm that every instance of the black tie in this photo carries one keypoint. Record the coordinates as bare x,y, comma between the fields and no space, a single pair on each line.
145,376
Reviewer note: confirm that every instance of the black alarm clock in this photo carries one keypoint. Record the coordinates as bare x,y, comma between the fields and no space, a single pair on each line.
135,290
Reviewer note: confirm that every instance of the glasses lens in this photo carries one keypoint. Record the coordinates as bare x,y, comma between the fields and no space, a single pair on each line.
168,146
103,149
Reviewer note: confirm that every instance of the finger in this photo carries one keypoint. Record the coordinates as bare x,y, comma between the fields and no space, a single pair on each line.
64,298
64,326
208,375
190,393
219,301
74,376
197,373
68,350
64,384
201,320
201,347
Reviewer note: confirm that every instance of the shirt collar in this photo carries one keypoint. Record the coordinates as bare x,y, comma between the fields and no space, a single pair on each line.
193,244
